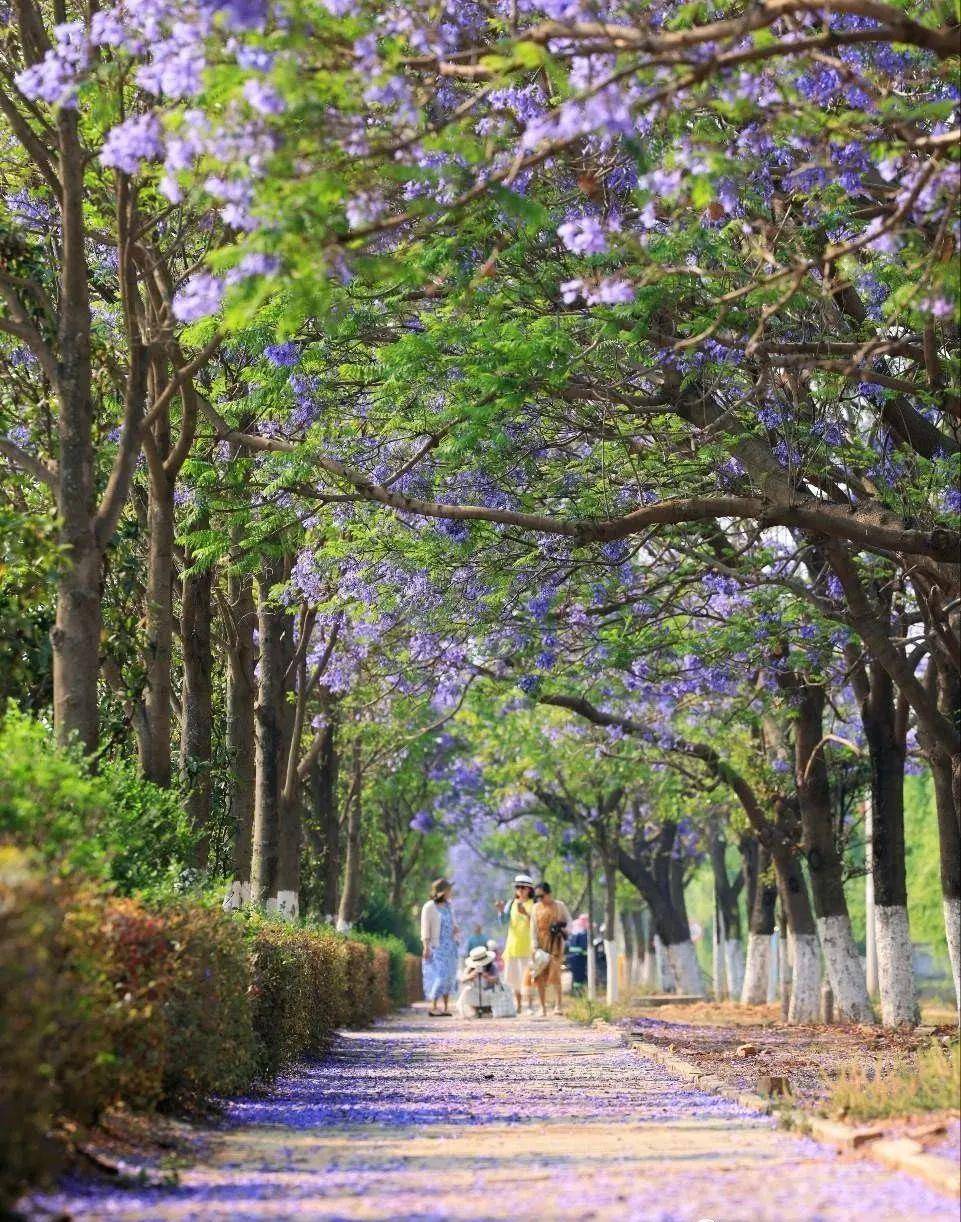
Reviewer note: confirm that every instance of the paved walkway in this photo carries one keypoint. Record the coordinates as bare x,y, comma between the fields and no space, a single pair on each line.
422,1119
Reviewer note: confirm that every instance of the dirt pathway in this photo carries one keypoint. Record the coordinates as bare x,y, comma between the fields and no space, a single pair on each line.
423,1119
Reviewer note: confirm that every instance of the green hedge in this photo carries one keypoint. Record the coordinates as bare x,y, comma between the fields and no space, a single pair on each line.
107,999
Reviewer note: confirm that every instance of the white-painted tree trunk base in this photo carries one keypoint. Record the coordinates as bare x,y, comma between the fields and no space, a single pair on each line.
757,970
776,965
899,996
952,930
610,954
682,958
649,972
343,926
805,953
734,966
237,897
844,969
663,980
288,905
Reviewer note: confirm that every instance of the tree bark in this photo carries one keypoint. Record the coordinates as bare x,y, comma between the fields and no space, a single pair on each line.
661,885
155,762
350,895
270,717
610,922
802,939
760,931
944,774
824,861
949,843
196,736
325,813
239,622
76,634
886,748
727,916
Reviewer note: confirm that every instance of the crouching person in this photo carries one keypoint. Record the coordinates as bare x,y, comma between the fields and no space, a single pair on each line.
482,992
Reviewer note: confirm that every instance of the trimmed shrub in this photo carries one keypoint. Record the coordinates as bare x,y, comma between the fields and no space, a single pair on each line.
281,993
139,950
392,992
106,999
83,1038
207,1004
327,986
358,1009
28,919
414,975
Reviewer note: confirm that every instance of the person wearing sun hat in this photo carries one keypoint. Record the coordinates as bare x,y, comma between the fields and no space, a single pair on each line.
438,935
517,948
481,989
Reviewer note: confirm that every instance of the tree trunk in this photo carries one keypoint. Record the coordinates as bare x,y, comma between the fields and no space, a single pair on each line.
610,925
630,948
350,895
270,716
661,885
760,931
75,637
950,854
886,747
324,799
727,918
841,956
197,705
76,633
240,622
155,762
801,938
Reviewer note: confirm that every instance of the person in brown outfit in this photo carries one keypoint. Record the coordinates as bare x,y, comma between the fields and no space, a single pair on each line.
550,921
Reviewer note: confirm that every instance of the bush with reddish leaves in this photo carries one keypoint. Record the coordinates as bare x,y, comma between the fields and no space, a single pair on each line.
107,999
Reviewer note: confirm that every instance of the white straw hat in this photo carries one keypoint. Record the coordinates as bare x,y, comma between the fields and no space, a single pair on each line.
480,956
523,880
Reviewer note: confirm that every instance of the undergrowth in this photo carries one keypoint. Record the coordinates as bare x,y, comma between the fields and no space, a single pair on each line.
929,1083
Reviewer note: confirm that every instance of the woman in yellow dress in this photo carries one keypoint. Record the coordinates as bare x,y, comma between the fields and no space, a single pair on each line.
517,949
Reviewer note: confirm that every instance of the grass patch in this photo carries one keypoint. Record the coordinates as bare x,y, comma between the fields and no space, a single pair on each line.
931,1083
583,1010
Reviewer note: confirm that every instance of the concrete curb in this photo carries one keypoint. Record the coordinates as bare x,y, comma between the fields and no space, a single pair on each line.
898,1154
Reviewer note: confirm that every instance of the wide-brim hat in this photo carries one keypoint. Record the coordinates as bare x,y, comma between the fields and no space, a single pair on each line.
440,886
523,880
480,956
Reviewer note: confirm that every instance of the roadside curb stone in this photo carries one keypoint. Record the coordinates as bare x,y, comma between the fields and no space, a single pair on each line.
899,1154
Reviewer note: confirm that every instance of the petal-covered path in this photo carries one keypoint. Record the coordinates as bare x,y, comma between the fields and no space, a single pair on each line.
444,1119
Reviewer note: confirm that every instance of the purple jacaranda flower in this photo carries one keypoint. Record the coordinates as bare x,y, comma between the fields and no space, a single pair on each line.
284,356
423,822
54,79
198,298
132,142
585,235
263,97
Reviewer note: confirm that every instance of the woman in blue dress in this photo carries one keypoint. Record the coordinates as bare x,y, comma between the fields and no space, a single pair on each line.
438,935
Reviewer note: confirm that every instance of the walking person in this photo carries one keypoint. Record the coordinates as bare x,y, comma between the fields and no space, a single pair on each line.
550,921
438,935
577,947
517,948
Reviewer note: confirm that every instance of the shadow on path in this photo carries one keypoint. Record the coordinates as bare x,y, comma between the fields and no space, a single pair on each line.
418,1120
